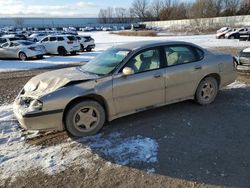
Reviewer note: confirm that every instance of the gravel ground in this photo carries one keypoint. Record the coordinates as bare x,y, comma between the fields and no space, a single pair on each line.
198,146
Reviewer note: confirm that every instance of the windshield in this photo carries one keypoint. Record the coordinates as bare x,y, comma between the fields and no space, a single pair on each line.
106,62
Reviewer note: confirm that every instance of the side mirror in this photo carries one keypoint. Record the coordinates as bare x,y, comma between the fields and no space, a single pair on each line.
127,71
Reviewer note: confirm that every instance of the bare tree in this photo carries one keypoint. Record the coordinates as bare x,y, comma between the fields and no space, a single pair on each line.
121,14
18,21
103,17
156,7
140,8
231,7
244,8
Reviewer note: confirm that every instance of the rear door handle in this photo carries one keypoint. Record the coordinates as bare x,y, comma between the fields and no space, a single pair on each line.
198,67
157,75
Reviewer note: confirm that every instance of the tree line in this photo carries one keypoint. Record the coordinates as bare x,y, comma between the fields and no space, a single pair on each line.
155,10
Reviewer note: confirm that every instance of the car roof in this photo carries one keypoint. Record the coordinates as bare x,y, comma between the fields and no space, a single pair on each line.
149,44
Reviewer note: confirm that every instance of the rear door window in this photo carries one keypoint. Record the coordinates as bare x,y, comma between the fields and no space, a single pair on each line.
60,38
71,37
52,39
182,54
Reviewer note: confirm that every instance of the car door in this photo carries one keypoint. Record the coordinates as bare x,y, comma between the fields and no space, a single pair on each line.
53,45
183,72
5,50
45,42
142,89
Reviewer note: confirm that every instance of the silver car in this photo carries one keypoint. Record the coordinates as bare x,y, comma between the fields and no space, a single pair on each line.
123,80
21,49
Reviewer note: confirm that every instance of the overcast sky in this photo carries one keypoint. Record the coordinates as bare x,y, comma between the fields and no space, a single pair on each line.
57,8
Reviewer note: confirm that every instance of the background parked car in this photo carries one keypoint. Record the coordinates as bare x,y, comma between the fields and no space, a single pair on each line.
243,57
236,34
61,44
87,42
35,37
245,36
223,29
21,49
6,39
221,35
20,36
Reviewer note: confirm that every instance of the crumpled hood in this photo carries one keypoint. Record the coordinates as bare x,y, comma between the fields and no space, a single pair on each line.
48,82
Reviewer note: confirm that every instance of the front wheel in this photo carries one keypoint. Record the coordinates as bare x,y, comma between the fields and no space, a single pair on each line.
62,51
73,53
39,57
207,91
22,56
85,118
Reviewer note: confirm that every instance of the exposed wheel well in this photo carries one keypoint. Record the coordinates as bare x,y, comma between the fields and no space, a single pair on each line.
93,97
60,47
214,75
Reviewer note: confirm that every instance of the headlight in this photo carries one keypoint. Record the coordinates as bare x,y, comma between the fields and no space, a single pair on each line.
35,105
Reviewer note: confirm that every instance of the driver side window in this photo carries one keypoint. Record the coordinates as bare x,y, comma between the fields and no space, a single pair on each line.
5,45
145,61
45,40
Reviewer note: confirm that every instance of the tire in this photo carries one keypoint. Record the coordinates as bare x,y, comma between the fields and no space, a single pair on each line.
39,57
61,51
207,91
88,49
82,48
35,40
231,37
73,53
85,118
22,56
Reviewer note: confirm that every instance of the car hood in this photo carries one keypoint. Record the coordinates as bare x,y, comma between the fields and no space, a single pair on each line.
48,82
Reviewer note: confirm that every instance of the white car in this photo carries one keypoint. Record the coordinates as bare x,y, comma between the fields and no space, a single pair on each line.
236,33
222,33
22,49
8,40
223,29
37,36
61,44
87,43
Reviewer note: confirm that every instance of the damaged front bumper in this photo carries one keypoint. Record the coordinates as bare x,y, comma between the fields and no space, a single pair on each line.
38,120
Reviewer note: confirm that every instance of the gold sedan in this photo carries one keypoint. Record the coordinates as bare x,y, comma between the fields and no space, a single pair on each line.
123,80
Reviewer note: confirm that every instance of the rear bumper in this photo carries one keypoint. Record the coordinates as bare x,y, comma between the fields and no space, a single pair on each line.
52,120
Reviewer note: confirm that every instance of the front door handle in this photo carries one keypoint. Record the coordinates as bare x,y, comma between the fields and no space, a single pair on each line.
198,67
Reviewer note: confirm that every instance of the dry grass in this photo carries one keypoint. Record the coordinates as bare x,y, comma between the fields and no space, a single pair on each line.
145,33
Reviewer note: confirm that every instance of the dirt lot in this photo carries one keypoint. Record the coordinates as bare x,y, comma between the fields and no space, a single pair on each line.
198,146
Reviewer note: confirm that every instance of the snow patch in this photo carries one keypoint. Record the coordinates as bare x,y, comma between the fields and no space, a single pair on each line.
17,156
237,84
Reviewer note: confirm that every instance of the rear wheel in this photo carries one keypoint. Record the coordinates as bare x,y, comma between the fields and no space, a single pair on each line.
231,37
73,53
84,118
82,48
22,56
207,91
62,51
